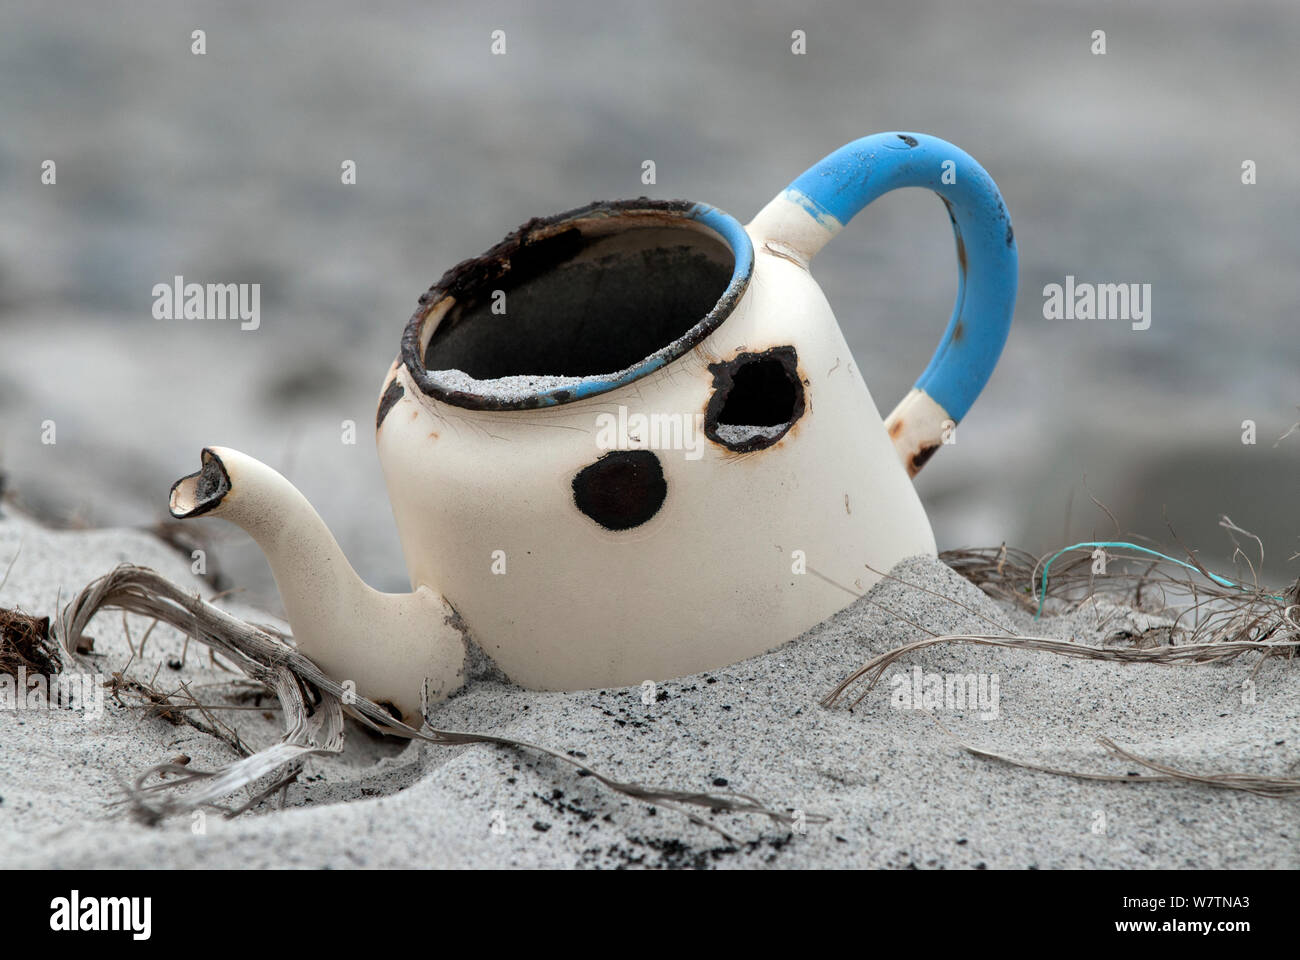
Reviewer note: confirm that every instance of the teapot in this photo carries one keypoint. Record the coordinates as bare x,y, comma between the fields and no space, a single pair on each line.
630,443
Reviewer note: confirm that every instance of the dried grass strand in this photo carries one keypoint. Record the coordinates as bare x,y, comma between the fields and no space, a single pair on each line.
1273,788
875,668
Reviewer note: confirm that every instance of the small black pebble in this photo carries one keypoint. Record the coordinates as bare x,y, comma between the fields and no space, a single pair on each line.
719,781
174,663
961,842
541,827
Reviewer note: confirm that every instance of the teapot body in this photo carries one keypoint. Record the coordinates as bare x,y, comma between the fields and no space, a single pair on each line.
630,443
588,544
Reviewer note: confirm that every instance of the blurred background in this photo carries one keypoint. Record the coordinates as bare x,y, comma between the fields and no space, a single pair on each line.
225,167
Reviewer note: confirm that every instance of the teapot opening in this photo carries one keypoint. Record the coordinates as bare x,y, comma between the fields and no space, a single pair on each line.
571,306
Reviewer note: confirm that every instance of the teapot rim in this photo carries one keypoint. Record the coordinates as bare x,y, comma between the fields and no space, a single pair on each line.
471,272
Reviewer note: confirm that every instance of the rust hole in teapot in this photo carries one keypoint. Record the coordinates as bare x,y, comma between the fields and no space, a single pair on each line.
921,458
756,399
621,490
394,392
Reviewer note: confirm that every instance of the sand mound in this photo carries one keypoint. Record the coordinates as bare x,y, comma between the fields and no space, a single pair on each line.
898,791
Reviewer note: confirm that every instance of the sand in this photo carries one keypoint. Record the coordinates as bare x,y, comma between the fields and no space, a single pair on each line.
897,791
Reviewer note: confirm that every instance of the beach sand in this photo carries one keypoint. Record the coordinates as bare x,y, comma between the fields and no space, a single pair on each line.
897,791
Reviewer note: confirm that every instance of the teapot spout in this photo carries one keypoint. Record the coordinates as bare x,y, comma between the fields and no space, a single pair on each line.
387,644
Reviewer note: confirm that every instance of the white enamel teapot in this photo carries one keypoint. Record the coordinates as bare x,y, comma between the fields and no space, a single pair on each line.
630,443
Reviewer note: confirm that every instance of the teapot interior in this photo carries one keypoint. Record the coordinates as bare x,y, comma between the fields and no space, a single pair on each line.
595,297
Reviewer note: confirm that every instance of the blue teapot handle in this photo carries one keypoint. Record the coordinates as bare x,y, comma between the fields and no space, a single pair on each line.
822,200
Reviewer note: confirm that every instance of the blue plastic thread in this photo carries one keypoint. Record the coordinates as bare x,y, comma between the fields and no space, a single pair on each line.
1042,595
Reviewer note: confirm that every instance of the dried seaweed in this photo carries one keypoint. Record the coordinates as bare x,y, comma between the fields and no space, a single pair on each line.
314,706
25,645
1213,621
1204,606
